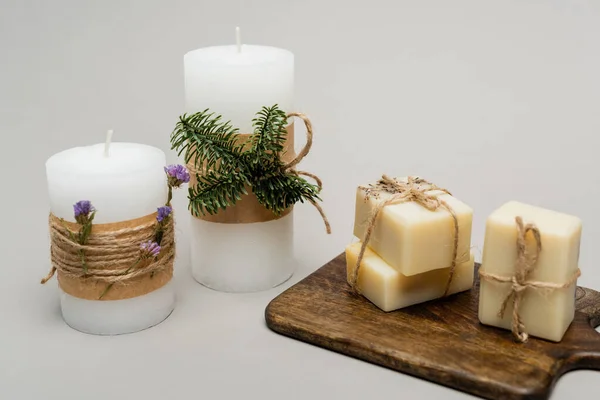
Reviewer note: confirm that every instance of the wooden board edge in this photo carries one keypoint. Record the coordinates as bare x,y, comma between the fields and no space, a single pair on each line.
587,302
276,324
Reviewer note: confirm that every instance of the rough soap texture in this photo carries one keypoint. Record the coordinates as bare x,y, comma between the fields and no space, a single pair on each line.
411,238
389,290
546,313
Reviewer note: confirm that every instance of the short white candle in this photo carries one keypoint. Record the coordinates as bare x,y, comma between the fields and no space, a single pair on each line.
125,183
236,82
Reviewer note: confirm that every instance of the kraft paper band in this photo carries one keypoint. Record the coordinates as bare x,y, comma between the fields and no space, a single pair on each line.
147,276
247,209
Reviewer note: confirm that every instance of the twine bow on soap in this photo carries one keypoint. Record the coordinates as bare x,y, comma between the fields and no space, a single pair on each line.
526,263
414,189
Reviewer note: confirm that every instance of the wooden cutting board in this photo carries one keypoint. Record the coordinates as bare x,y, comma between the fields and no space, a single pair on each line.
441,341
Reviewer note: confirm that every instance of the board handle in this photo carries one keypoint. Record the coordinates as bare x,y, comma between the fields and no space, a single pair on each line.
587,353
587,301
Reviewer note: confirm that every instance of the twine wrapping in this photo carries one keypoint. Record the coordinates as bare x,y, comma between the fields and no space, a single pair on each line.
526,263
112,255
248,209
417,190
291,166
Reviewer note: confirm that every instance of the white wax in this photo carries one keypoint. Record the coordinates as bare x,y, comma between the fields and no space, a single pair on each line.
242,257
129,183
237,84
116,317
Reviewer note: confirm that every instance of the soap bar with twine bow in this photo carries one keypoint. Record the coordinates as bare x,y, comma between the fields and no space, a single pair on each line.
413,225
529,271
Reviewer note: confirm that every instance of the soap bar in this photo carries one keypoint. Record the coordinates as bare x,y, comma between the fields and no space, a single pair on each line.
411,238
545,313
389,290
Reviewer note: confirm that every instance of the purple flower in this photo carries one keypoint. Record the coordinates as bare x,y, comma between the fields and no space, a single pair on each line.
84,214
177,174
163,213
149,249
83,208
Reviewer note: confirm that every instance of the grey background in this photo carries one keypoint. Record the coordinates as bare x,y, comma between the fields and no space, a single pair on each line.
496,100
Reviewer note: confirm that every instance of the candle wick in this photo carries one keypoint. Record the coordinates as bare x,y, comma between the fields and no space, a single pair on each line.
109,134
238,39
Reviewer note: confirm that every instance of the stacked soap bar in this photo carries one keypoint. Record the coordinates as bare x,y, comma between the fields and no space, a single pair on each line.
545,313
390,290
410,250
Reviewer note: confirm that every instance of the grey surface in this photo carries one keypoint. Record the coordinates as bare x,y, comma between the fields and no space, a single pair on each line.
494,100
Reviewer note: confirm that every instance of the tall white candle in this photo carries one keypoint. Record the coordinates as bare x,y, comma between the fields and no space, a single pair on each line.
236,82
123,181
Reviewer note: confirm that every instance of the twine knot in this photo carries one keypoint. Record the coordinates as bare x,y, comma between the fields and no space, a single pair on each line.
417,190
414,189
525,264
516,286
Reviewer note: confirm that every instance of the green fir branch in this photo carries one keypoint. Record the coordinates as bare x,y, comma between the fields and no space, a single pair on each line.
269,135
227,169
282,190
216,191
204,138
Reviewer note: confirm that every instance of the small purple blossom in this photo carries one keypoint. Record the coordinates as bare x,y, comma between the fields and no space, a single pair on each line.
163,213
177,174
149,249
83,208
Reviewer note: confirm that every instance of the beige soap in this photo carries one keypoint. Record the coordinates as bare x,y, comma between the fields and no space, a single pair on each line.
389,290
545,313
412,239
